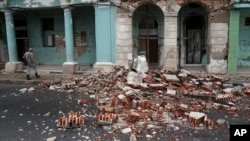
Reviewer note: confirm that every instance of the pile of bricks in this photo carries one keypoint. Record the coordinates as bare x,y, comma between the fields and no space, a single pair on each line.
152,99
73,120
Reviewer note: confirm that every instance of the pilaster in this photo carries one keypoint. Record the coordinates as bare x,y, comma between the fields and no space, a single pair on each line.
104,24
13,63
69,66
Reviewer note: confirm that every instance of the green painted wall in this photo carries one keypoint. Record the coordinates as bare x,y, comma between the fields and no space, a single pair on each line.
105,40
43,3
233,40
244,40
83,20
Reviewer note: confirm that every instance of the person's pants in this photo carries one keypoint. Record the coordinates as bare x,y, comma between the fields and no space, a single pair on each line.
31,66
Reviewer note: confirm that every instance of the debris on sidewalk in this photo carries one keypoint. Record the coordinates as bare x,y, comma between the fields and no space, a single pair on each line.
132,100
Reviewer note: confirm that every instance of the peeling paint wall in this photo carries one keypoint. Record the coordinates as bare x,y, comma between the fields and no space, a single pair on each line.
216,32
167,29
83,20
244,40
46,3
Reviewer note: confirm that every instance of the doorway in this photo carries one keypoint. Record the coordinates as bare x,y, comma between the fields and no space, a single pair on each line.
148,25
194,42
148,39
192,35
22,41
22,47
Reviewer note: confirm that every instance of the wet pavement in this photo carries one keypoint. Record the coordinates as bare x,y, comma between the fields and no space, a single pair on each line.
34,116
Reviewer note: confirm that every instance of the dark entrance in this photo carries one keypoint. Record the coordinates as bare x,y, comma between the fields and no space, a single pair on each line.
192,35
195,39
148,39
22,41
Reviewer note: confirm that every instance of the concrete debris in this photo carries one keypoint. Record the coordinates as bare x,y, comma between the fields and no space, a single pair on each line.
196,118
132,137
47,114
220,121
126,130
51,139
31,89
171,77
23,90
136,99
139,64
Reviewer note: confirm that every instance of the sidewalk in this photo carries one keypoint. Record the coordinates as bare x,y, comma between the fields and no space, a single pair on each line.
55,73
46,72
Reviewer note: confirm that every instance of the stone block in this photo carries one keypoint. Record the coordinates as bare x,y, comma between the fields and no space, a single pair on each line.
124,21
170,64
103,67
124,28
217,67
70,67
219,41
170,41
218,33
124,43
124,35
219,26
13,66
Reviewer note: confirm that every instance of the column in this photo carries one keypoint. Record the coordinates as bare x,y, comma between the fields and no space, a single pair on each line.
233,40
69,66
13,63
170,42
104,29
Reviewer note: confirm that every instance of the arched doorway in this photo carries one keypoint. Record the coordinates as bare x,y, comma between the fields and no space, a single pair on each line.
192,35
148,23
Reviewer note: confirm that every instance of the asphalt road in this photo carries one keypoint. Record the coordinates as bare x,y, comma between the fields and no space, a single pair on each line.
33,116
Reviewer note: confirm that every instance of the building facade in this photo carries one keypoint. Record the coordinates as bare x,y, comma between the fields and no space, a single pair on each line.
239,33
61,32
103,33
174,33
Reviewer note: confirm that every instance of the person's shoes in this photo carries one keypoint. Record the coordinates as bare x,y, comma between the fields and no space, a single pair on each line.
28,77
37,76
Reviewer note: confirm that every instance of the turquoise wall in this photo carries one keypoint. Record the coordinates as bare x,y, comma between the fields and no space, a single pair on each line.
83,20
105,40
244,40
44,3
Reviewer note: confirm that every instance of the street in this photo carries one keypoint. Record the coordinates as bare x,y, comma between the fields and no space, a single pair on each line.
33,116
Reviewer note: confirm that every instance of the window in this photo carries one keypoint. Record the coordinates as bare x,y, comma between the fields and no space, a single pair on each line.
48,32
247,21
80,39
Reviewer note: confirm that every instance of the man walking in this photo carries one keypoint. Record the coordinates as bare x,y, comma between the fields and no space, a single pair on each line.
29,57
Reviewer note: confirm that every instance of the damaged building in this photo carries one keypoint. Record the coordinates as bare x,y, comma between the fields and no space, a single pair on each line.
103,33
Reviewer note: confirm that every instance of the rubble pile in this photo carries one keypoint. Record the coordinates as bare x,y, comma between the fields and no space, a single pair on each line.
134,101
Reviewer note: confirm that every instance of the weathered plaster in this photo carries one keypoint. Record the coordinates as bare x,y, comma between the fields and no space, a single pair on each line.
39,2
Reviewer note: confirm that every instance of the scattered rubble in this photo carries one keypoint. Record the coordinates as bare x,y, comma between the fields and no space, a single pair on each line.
132,100
51,139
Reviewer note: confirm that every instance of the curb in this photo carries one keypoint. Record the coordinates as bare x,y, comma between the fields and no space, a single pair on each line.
21,82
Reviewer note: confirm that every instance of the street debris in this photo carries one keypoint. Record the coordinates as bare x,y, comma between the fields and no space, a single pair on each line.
132,101
73,120
51,139
23,90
